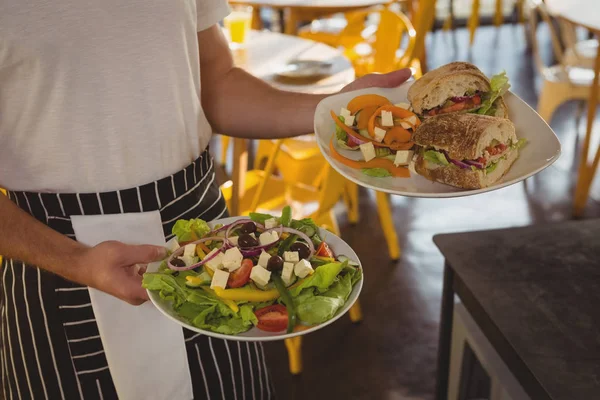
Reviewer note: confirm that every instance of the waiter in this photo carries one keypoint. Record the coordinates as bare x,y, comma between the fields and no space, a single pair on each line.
106,109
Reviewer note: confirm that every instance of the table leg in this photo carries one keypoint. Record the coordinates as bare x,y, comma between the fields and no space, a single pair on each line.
587,172
238,176
445,338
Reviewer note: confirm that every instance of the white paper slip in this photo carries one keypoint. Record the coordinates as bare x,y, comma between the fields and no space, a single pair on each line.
135,338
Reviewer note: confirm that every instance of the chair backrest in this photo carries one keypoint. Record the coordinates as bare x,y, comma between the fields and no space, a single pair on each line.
537,7
424,18
384,31
331,189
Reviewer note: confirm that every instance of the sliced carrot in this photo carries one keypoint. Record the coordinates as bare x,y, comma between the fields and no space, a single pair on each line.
403,146
360,102
364,115
399,172
396,136
355,135
397,112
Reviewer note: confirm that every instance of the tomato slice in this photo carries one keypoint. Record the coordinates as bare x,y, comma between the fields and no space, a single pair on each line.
240,276
272,318
324,250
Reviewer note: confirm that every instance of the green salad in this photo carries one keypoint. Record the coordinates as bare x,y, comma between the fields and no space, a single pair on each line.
274,273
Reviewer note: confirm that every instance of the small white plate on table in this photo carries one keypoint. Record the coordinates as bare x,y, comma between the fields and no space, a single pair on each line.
337,245
542,148
304,69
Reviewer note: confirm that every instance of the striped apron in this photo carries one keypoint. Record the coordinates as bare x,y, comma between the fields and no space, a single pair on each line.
50,342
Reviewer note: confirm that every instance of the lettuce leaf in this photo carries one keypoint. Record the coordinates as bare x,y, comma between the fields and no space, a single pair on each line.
321,279
259,217
490,168
198,307
499,86
315,308
188,230
340,134
376,172
520,143
436,157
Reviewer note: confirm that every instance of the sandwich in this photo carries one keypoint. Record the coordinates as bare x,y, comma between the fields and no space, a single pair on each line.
459,87
465,150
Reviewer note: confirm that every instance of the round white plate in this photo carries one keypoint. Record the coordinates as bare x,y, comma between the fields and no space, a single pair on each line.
542,148
254,334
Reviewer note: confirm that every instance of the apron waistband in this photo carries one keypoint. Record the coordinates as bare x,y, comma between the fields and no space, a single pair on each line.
173,196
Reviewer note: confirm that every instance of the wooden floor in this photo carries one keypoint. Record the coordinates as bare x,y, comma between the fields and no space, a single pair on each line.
391,355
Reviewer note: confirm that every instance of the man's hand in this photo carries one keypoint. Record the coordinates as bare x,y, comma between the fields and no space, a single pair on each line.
113,267
390,80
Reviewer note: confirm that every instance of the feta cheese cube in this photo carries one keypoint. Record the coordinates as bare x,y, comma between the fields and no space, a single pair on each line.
291,256
379,134
172,244
287,274
349,120
260,275
189,250
368,151
267,238
406,106
403,157
263,259
219,279
271,223
232,259
410,122
216,262
345,113
387,119
188,260
302,268
234,240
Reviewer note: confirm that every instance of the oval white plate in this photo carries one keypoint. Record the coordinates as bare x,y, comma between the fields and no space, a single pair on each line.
254,334
542,149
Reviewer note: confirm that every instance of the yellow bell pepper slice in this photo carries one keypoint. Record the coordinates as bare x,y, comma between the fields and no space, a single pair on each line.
209,271
247,294
230,303
327,259
200,253
194,280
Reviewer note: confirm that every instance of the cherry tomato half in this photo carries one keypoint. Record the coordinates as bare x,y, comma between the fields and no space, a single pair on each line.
240,276
324,250
272,318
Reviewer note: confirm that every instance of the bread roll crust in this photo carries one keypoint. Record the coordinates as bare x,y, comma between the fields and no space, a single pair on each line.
463,136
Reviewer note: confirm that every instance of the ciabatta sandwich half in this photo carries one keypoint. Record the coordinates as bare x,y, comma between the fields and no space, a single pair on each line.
459,87
465,150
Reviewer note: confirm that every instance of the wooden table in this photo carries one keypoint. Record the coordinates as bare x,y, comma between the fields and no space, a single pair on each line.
264,52
583,13
305,10
534,293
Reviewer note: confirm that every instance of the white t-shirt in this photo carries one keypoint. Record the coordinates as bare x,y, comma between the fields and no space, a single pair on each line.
100,95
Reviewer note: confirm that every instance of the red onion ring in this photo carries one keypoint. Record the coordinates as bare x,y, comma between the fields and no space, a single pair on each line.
302,236
202,262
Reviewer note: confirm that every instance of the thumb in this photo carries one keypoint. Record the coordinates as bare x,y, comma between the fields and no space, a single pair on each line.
389,80
143,254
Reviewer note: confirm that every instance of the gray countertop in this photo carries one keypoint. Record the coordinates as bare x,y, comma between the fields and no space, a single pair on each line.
536,291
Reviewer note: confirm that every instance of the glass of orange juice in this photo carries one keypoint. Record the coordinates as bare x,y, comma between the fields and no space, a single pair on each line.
238,24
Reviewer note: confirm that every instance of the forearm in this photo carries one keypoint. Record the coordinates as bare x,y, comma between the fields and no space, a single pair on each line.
24,238
242,105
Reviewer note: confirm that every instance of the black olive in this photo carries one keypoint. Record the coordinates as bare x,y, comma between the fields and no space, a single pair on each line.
177,262
301,248
246,241
248,227
275,263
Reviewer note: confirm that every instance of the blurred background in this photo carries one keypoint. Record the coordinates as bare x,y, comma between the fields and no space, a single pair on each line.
387,349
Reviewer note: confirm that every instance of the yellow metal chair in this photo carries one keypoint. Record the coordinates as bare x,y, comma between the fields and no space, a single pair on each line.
473,22
265,191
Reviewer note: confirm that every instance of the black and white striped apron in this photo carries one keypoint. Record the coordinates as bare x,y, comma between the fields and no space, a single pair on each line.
51,346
